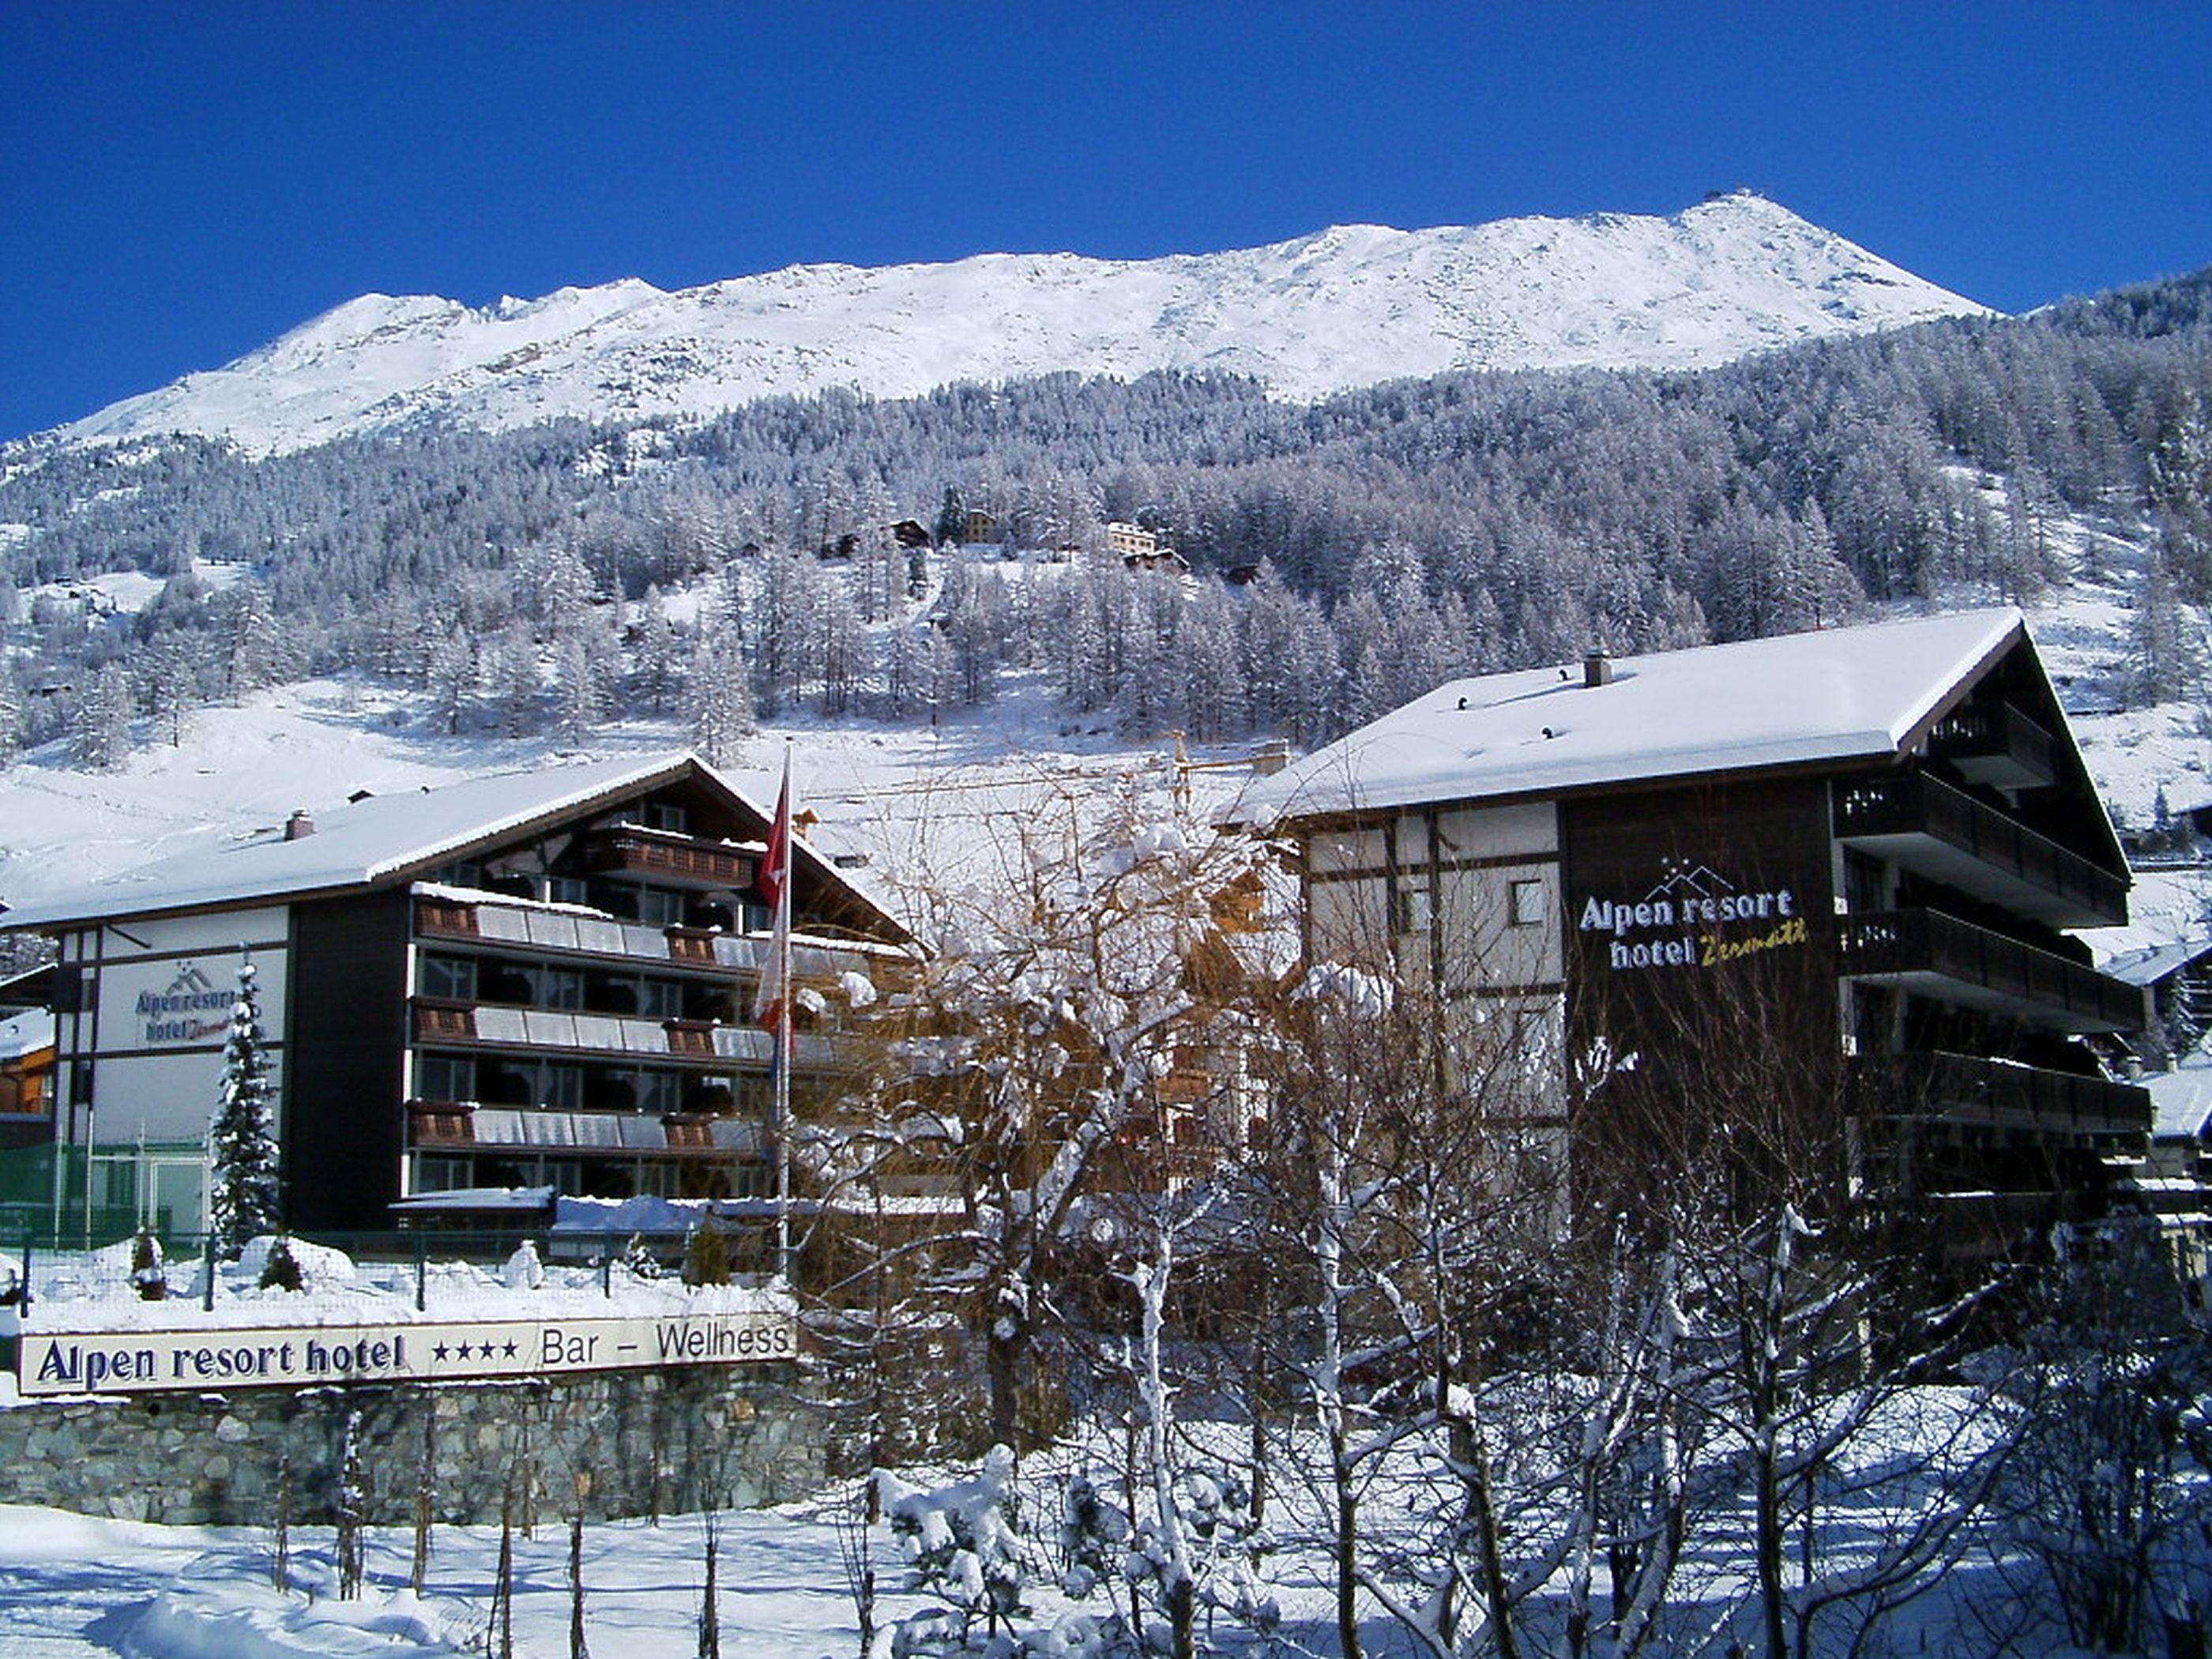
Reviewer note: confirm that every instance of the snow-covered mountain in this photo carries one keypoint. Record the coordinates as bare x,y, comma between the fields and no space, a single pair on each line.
1347,307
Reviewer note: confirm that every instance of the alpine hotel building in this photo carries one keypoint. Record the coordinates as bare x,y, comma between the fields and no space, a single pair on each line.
539,979
1840,863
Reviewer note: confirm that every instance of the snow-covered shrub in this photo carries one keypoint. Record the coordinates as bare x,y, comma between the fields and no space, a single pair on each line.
321,1268
147,1271
961,1545
1094,1536
1208,1545
706,1257
2108,1491
637,1255
281,1270
524,1271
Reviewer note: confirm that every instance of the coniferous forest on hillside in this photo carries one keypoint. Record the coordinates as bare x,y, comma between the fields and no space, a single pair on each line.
1342,556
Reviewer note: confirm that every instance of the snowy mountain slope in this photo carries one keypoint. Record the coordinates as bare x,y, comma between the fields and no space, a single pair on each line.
1346,307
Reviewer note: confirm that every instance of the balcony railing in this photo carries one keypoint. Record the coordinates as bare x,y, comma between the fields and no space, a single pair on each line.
436,1125
541,930
440,1023
1946,835
1957,961
1969,1091
629,852
1995,743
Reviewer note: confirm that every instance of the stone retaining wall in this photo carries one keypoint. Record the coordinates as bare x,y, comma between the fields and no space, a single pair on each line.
624,1442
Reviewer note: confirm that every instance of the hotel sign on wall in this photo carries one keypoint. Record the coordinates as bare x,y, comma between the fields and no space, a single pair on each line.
179,1004
148,1361
1693,919
190,1008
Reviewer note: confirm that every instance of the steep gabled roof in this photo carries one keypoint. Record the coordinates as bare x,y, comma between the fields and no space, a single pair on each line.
1834,695
382,841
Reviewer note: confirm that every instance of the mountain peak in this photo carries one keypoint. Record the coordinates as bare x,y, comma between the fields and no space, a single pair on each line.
1346,306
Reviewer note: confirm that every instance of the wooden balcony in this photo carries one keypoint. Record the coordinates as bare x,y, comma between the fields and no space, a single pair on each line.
1922,824
1995,743
441,1123
438,918
1952,961
439,1021
669,860
1990,1097
435,1125
694,944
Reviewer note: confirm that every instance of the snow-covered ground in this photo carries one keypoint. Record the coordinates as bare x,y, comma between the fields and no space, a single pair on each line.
914,802
72,1588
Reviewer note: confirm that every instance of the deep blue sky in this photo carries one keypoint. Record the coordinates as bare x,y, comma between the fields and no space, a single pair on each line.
181,183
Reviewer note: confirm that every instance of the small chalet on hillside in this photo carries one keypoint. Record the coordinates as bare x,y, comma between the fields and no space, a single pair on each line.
543,980
1842,863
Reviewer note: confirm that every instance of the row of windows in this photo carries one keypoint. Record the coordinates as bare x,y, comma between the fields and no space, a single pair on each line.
594,1177
1416,906
550,985
570,1086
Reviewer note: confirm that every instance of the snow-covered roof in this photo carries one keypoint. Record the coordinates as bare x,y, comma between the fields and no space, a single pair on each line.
1831,695
380,839
527,1200
26,1034
2152,962
2181,1099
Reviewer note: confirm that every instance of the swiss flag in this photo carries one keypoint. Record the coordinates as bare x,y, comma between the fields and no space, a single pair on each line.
772,1002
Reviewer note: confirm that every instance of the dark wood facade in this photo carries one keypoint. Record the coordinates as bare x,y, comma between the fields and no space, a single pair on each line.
342,1129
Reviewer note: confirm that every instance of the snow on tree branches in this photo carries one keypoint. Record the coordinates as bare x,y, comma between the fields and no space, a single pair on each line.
243,1196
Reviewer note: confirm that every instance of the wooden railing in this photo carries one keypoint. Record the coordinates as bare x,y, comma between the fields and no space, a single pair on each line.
1894,942
1913,803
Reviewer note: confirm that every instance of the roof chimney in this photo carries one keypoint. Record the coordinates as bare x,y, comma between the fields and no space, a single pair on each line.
300,825
1597,666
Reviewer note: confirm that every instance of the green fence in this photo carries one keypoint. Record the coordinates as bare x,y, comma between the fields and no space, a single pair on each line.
75,1198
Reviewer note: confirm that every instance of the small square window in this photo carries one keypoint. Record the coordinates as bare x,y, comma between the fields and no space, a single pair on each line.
1527,903
1414,910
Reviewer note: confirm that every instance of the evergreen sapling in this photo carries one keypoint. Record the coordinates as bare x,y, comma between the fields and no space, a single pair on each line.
243,1201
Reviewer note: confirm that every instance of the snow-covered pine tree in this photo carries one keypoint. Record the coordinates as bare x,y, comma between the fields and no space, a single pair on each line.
243,1196
660,651
11,719
718,698
101,733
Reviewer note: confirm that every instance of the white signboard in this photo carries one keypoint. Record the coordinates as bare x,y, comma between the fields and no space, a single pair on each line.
137,1362
183,1002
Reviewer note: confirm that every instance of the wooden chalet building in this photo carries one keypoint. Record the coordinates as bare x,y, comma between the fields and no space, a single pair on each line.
538,980
1839,865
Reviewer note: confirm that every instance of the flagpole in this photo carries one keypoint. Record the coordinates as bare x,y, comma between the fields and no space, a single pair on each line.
780,944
